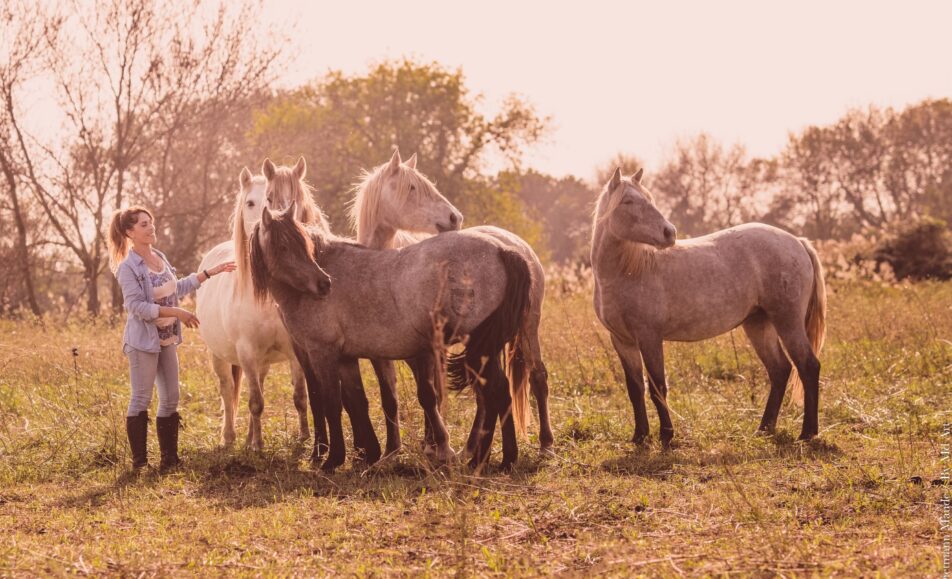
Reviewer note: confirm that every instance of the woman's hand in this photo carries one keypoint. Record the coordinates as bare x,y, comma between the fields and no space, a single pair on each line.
186,317
223,267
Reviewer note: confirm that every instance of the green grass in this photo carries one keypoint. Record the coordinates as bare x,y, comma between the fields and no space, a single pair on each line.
722,501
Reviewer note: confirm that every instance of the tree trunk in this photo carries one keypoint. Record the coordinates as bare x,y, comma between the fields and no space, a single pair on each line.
23,253
91,276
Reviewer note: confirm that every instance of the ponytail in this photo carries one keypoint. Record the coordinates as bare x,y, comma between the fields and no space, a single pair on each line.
118,242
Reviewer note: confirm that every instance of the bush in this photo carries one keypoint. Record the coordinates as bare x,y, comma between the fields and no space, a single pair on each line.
922,250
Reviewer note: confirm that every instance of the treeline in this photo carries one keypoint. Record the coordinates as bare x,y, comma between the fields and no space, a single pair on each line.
163,108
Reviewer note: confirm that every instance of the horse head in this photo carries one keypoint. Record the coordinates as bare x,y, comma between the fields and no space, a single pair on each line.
286,185
283,252
630,214
396,196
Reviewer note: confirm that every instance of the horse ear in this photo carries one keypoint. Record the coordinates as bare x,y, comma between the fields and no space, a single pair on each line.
244,178
268,169
300,169
266,217
394,162
411,162
637,177
292,209
615,180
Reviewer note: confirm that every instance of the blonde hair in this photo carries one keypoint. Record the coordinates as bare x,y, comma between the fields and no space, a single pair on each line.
122,220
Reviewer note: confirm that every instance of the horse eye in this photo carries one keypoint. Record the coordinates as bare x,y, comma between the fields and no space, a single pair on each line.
627,201
251,204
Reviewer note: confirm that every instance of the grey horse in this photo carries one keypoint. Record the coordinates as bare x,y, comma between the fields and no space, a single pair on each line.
649,289
397,304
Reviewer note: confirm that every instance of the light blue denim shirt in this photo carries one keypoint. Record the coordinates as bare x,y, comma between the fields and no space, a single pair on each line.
137,296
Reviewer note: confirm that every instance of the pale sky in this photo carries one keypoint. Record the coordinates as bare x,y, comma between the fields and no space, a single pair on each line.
633,77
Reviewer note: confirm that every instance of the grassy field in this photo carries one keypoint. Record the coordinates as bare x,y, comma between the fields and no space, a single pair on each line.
861,500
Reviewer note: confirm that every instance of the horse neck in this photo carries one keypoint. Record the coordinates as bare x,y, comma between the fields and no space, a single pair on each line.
612,256
381,237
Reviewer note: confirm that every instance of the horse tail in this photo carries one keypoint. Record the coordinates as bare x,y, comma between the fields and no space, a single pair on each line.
815,318
505,324
518,374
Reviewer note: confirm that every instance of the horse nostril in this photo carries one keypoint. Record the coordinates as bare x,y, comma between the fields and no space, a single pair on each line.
453,219
670,233
324,286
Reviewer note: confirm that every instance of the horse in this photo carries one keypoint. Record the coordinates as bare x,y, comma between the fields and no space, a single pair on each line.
391,201
650,288
398,304
244,336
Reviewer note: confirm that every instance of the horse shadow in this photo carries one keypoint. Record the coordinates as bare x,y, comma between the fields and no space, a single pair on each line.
647,461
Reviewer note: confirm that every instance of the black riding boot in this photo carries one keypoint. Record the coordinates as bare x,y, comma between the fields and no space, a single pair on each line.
137,429
167,428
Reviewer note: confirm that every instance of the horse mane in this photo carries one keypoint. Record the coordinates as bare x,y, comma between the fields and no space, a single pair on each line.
301,193
364,210
287,228
628,257
238,233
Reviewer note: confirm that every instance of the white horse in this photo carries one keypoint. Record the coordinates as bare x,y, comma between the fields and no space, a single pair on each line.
243,335
396,206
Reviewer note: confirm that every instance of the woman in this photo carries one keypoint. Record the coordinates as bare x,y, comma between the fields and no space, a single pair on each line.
150,294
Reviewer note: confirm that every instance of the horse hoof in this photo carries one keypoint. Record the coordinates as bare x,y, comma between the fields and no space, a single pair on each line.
545,442
807,437
440,454
666,440
640,439
330,465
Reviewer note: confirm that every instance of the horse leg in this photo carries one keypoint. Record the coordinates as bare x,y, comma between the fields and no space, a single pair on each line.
300,396
326,370
630,357
539,382
424,371
357,407
475,433
487,426
228,402
763,336
387,378
502,399
793,334
317,411
652,353
254,376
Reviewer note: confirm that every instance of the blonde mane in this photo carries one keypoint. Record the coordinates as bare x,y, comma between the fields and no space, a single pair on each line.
628,257
240,237
308,212
365,208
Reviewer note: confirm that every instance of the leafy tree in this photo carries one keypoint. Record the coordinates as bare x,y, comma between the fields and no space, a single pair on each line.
343,124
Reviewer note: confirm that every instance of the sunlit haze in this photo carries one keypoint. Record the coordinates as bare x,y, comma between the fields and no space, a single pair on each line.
634,77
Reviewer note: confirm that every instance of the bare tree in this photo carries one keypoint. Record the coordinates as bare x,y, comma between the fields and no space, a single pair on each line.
130,74
705,186
21,52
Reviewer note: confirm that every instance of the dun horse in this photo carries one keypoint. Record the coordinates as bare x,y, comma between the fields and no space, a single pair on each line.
649,289
390,304
395,198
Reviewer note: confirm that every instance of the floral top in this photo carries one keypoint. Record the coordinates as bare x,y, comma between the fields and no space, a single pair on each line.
163,284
